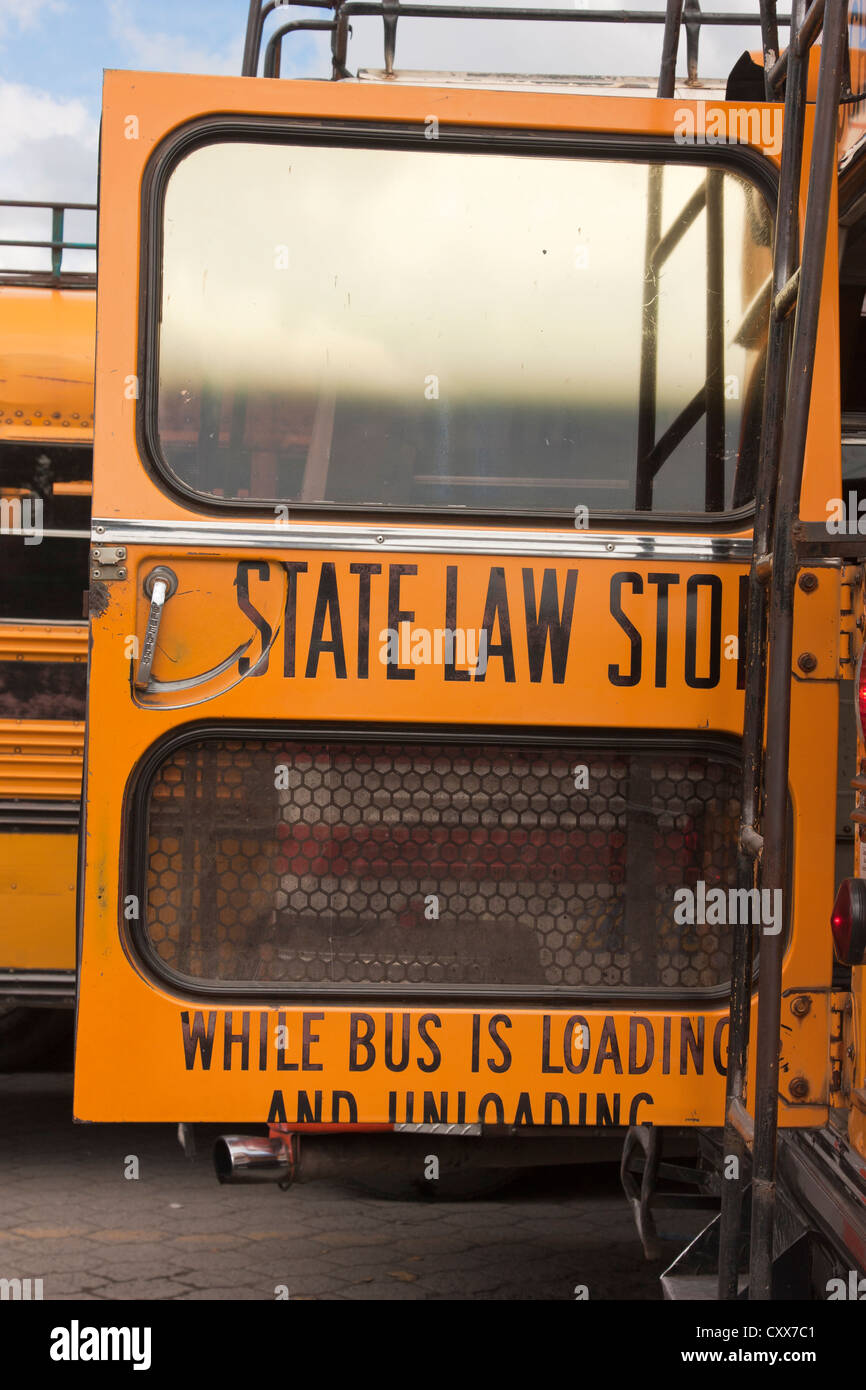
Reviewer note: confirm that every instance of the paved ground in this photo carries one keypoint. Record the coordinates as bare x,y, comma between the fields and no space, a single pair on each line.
70,1217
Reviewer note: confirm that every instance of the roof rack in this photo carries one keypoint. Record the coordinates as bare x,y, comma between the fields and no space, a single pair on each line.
57,244
678,14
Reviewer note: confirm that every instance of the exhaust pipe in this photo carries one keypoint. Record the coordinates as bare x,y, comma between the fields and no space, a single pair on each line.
247,1158
303,1158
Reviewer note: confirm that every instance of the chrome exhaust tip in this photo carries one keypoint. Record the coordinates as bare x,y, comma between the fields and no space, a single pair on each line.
246,1158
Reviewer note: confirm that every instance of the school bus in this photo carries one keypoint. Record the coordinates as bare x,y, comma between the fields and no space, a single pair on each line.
466,633
47,341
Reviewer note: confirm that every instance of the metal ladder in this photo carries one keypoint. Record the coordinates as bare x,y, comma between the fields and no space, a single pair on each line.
773,575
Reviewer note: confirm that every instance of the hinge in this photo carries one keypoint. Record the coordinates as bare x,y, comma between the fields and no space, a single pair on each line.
840,1013
107,562
852,619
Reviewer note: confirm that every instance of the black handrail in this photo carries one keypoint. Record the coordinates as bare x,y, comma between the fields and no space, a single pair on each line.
274,50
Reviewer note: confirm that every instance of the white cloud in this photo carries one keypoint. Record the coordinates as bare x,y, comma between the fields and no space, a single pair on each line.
48,152
152,50
18,17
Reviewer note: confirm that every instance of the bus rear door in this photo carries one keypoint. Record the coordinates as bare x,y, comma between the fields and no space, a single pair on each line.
426,439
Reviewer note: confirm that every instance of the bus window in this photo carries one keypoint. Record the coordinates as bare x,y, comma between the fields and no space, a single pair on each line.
45,492
413,867
285,352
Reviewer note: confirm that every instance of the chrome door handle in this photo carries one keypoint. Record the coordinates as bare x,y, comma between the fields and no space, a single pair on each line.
159,586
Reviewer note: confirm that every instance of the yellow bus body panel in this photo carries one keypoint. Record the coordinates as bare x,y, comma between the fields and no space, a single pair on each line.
37,884
46,362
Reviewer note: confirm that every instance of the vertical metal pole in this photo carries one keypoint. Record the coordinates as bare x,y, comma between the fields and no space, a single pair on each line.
784,260
691,15
56,240
770,40
339,43
640,897
670,44
389,23
646,427
253,37
646,419
714,484
781,637
188,845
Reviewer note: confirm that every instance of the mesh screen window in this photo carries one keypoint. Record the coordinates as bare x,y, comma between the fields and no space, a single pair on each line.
410,866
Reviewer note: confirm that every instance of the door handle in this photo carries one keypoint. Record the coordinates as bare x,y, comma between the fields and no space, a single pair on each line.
159,586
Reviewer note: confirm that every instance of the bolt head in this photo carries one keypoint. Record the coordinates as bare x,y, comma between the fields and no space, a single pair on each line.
801,1005
807,661
799,1088
808,582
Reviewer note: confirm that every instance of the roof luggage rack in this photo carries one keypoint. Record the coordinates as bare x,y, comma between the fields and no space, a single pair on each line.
56,277
679,14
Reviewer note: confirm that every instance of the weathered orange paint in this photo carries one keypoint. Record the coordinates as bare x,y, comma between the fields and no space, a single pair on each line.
46,361
130,1056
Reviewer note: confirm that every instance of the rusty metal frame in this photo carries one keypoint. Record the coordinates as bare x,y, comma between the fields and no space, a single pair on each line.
709,400
678,14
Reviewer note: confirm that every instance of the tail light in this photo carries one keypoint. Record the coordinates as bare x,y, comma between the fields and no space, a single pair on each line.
860,694
848,921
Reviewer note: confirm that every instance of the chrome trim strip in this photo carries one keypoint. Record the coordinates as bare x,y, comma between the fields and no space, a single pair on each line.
455,1129
44,622
26,816
47,987
45,534
418,540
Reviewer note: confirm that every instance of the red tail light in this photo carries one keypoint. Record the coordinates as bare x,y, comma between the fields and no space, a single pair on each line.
848,921
860,694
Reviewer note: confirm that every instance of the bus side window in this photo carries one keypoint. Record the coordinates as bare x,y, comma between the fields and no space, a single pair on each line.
44,531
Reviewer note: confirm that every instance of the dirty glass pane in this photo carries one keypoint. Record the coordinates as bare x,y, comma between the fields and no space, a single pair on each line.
428,328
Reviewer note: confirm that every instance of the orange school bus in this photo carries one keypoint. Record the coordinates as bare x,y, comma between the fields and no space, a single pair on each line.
47,340
438,430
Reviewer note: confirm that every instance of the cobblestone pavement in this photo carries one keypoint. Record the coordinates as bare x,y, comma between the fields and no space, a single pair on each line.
70,1217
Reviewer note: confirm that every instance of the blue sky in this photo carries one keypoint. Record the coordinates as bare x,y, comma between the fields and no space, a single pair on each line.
53,52
52,56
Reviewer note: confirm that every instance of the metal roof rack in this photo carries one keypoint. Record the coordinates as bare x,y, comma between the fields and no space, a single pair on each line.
57,244
678,14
